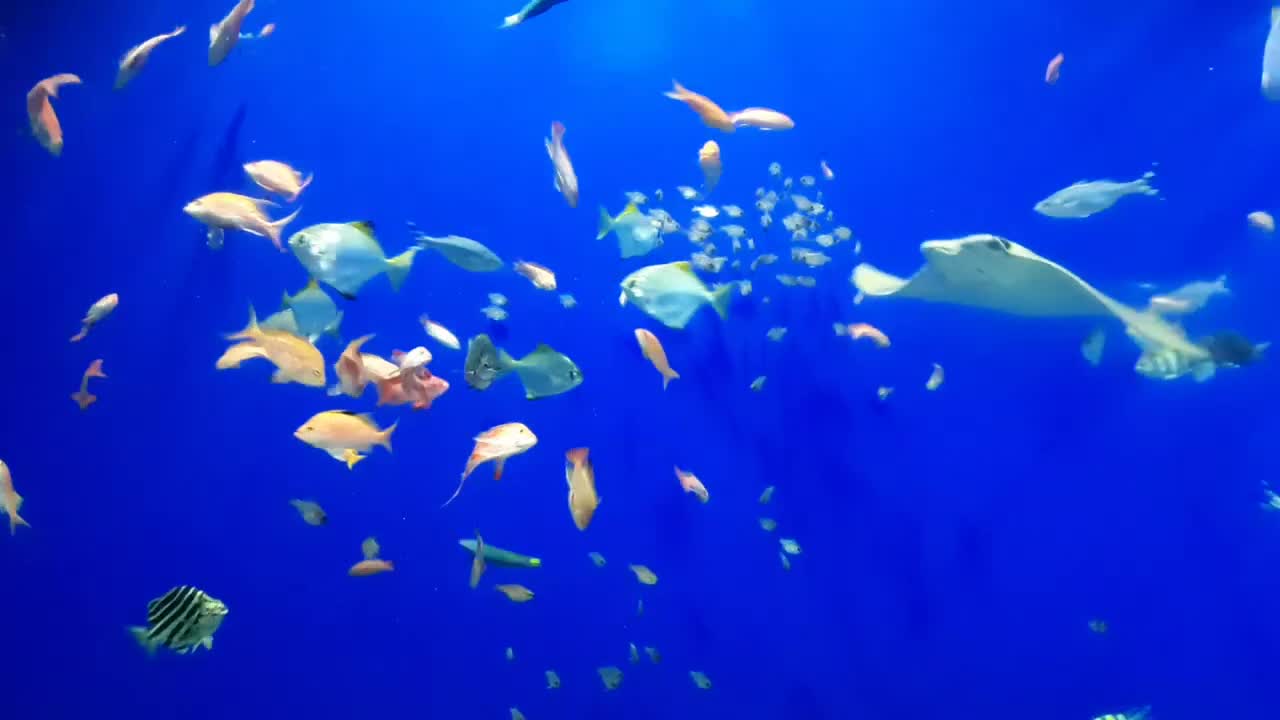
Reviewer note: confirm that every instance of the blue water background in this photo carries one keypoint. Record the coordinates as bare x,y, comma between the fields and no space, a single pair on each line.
955,544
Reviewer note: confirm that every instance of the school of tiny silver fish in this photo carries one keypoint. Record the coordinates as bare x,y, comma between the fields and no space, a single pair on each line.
671,290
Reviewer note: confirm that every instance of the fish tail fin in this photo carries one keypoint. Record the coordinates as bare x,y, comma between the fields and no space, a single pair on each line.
275,228
840,328
384,437
84,332
463,481
677,91
510,21
399,266
668,376
303,186
250,331
140,635
84,399
1143,184
605,225
721,297
15,520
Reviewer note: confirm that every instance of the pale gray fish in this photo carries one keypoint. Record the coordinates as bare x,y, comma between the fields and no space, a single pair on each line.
1271,59
463,252
1087,198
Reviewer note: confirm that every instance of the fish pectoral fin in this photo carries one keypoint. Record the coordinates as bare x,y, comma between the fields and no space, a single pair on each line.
278,377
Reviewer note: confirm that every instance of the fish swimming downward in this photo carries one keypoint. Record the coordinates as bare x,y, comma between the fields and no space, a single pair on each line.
580,475
566,178
224,35
101,308
44,121
183,620
496,444
10,500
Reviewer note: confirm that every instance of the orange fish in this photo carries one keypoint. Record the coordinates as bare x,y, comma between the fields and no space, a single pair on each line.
98,310
541,277
496,444
267,30
372,564
238,353
277,177
713,116
84,398
228,211
10,500
1053,69
709,161
133,60
653,352
692,484
44,121
365,568
762,119
224,36
580,474
857,331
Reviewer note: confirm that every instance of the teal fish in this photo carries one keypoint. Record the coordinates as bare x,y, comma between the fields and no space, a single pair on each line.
500,557
347,255
314,312
672,293
543,372
638,234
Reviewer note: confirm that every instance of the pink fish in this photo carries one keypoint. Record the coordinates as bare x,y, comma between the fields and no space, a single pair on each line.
10,500
416,386
352,378
1054,69
84,398
44,121
566,178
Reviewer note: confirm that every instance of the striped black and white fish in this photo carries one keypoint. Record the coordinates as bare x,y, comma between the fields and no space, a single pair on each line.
182,620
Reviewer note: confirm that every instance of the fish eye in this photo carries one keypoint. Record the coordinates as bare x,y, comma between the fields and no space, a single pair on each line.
316,373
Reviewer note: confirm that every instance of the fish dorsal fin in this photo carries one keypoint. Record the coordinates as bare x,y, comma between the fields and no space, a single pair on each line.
684,265
312,284
364,226
1275,15
630,209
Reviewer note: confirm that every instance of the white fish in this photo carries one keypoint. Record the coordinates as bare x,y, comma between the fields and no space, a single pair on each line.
707,211
1087,198
440,333
1271,59
687,192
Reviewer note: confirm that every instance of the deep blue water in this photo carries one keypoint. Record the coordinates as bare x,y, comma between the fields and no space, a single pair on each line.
955,543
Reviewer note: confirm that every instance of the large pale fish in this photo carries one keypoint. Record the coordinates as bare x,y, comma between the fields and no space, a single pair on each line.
672,293
566,178
533,8
136,57
347,255
224,35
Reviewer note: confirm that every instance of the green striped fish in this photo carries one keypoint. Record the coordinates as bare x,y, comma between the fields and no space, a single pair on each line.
182,620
